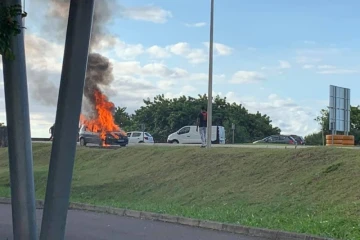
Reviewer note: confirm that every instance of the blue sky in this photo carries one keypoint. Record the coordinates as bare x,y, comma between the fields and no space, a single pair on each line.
274,56
279,30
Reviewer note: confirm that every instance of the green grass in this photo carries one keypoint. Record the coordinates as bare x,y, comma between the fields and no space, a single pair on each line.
315,190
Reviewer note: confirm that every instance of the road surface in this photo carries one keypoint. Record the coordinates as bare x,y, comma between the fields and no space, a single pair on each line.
96,226
213,145
277,146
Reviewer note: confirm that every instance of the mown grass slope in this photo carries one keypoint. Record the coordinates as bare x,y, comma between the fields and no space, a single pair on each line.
315,190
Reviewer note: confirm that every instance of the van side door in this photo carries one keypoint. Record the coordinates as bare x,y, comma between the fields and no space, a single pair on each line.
184,135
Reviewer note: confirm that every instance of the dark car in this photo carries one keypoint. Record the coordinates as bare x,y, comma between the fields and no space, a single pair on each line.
277,139
300,140
112,138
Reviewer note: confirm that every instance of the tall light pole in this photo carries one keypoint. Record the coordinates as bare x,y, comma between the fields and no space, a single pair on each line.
209,108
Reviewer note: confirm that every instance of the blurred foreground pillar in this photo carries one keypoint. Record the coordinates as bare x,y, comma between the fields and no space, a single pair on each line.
67,119
19,138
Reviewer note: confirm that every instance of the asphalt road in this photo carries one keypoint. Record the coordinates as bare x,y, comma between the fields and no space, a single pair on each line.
213,145
96,226
272,146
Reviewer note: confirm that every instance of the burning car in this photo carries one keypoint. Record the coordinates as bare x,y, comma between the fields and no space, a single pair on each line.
87,135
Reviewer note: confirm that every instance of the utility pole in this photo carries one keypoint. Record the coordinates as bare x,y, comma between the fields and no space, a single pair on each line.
209,108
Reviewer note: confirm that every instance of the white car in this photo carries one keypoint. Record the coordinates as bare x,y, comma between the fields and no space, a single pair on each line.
140,137
189,135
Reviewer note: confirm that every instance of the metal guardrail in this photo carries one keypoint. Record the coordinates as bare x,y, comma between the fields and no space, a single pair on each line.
40,139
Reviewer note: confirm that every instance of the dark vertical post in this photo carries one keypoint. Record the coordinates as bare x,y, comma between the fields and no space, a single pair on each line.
67,119
19,138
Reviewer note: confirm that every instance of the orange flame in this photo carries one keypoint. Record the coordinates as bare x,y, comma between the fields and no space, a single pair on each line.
104,122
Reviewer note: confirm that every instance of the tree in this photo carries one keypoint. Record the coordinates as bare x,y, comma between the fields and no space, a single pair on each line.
122,118
315,139
9,27
163,116
323,120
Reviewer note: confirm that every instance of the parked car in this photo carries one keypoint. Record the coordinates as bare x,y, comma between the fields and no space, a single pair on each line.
277,139
300,140
189,135
112,138
140,137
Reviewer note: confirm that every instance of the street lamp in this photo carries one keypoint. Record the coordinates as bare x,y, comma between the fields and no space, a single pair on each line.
209,108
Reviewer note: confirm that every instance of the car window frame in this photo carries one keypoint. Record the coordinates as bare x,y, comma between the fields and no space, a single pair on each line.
136,133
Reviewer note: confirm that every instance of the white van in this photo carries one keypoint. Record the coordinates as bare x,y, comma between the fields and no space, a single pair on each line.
189,135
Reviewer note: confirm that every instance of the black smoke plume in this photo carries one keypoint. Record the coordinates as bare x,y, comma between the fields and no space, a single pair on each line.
99,69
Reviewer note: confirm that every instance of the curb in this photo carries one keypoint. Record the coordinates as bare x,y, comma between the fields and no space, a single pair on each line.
217,226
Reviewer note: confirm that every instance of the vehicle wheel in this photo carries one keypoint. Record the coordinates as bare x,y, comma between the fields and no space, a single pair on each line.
122,145
82,142
141,142
175,142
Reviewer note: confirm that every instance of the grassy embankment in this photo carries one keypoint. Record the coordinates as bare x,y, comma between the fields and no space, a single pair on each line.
314,190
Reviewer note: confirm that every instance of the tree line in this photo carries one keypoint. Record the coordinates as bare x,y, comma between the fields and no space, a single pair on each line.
318,138
163,116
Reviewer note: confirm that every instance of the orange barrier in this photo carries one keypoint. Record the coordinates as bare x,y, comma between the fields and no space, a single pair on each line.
340,140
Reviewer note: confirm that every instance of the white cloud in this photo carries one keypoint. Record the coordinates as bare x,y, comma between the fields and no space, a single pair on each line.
298,120
326,67
160,70
128,51
338,71
204,78
147,13
40,120
125,51
188,89
166,84
43,55
184,49
181,48
330,69
242,77
220,49
197,56
158,52
316,55
198,24
284,64
308,60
